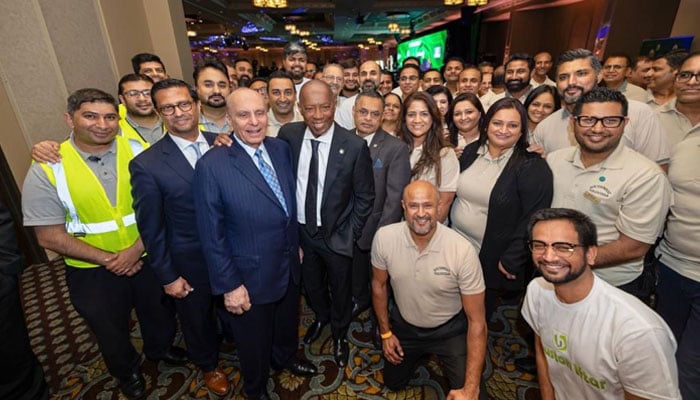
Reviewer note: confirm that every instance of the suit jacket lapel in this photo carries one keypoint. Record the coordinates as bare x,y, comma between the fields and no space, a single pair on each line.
249,170
335,162
176,160
287,185
376,146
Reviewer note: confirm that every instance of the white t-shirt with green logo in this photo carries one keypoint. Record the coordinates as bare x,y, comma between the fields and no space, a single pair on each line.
604,345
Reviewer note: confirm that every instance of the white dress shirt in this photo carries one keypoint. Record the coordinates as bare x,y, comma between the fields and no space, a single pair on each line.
324,148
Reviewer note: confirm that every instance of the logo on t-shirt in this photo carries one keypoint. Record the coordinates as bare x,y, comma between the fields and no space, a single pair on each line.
441,271
561,341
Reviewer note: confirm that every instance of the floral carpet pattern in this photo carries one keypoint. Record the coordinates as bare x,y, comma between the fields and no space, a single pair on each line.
75,370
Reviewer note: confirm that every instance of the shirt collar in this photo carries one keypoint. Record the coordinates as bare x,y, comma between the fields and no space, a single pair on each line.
326,137
112,149
250,149
615,160
183,143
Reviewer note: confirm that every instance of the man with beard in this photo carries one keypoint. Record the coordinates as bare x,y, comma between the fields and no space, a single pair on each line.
212,84
592,340
282,98
392,172
453,66
625,194
517,77
351,81
161,180
439,288
294,63
543,63
244,70
140,121
149,65
369,74
577,71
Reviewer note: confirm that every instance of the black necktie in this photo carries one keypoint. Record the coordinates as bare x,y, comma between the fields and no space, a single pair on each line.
312,190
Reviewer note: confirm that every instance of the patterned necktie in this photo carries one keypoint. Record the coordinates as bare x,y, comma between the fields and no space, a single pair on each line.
271,178
312,190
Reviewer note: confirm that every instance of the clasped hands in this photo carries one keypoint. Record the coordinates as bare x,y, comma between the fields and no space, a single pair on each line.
126,262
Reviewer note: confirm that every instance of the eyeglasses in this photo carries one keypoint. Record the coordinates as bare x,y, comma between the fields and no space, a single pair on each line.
170,108
333,78
686,76
587,121
411,78
135,93
364,113
561,249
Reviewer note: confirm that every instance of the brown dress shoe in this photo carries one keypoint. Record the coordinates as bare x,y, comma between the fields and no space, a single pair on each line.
216,382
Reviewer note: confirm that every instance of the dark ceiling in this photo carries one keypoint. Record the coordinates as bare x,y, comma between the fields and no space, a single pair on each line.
237,23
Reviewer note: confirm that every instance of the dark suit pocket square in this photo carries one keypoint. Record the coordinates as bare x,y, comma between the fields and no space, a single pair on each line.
378,163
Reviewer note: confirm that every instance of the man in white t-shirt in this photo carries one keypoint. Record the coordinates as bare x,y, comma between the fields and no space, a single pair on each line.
593,341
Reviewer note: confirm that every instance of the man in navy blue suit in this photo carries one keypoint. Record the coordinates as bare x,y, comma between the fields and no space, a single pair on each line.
246,208
161,182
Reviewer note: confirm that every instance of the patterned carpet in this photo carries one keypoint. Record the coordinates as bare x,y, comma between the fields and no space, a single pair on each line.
74,369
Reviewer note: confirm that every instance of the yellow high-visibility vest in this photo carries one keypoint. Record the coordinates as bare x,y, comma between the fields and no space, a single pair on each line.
90,217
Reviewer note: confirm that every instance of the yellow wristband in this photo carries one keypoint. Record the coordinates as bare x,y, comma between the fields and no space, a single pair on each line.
386,335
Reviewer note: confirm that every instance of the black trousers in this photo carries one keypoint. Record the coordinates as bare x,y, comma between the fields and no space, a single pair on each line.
361,276
105,301
323,269
197,323
265,335
447,341
21,376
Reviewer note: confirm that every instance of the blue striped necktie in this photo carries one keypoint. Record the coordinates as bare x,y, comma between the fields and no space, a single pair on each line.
271,178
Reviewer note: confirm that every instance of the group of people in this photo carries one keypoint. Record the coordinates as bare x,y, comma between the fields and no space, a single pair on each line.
427,203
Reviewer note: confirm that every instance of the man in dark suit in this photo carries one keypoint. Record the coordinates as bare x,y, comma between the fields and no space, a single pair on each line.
245,207
22,376
392,172
335,191
161,185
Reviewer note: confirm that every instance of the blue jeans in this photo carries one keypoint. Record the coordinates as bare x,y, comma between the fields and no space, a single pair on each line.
679,304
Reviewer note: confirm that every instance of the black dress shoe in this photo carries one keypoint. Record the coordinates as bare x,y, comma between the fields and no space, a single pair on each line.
175,356
133,387
314,331
358,308
341,352
300,367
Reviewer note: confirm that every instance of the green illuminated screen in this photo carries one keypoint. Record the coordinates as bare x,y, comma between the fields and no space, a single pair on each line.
430,49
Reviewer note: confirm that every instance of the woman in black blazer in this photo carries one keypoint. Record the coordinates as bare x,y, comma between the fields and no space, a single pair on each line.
500,185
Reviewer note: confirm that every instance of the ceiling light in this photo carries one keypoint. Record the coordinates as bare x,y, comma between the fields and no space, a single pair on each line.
191,33
270,3
289,27
454,2
475,3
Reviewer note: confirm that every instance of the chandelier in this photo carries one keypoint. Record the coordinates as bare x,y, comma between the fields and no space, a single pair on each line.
453,2
270,3
473,3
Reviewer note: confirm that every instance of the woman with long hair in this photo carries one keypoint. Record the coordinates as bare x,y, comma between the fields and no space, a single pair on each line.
391,121
464,120
540,103
500,185
431,158
443,100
